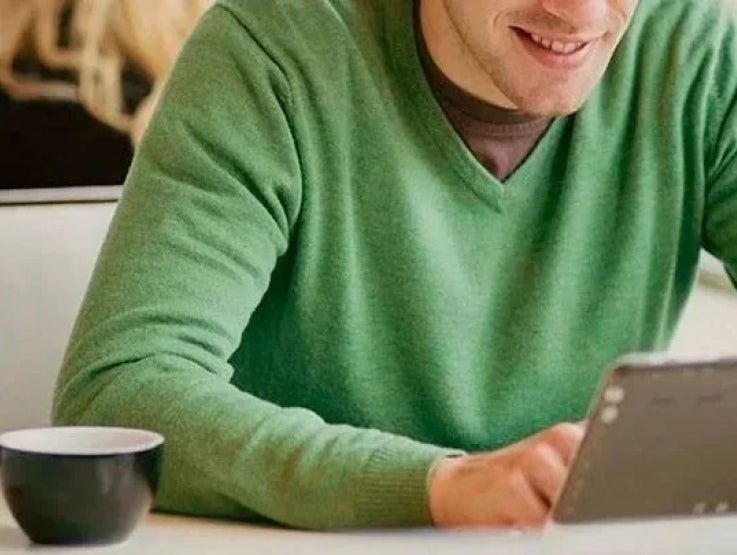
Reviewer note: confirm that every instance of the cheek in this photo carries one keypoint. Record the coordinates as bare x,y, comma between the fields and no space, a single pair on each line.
624,8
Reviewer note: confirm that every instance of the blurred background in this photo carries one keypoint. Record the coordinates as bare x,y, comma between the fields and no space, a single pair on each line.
78,82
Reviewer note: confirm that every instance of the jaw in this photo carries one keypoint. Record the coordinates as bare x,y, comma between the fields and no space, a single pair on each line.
539,81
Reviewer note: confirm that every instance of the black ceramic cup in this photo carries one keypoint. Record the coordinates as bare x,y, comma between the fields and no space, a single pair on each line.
79,485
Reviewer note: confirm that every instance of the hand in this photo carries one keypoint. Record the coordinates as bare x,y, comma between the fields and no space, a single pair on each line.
515,486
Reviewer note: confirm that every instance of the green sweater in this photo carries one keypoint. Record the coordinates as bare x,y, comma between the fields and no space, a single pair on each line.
314,290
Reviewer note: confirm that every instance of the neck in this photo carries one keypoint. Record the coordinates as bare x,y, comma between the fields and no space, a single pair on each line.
452,56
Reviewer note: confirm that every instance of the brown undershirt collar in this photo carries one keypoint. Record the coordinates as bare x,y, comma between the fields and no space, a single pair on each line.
501,139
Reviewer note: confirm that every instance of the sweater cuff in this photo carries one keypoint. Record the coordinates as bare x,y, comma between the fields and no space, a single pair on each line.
393,490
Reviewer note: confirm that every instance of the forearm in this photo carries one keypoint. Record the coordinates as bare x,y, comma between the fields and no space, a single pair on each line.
231,454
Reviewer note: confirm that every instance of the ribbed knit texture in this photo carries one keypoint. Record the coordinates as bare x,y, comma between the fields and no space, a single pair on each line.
314,290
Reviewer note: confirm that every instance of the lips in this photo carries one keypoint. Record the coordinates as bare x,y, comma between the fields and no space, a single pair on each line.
559,47
559,53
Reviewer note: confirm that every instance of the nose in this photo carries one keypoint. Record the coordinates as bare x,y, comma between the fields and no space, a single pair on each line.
577,13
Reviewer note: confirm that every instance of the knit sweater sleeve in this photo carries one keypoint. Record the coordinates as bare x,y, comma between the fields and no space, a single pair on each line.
208,208
720,210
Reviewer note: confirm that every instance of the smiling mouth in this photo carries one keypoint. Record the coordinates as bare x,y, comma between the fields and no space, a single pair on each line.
554,46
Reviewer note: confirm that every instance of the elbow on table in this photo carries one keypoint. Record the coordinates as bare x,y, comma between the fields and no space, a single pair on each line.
77,398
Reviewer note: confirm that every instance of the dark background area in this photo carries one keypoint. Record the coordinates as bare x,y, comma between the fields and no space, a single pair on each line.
46,144
56,144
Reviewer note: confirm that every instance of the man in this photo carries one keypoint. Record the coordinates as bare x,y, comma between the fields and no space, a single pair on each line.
363,276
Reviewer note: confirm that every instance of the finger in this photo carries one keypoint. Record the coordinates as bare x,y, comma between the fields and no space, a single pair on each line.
546,471
526,508
565,439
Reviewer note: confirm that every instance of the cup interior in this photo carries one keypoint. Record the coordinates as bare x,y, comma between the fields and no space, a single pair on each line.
81,440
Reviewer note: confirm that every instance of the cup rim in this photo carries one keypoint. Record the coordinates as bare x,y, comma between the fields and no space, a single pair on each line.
81,440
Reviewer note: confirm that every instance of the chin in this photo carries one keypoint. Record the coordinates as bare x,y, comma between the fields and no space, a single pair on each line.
559,109
554,107
552,101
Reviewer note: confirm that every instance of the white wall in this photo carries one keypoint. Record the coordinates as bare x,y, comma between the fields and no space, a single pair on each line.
47,253
46,257
709,326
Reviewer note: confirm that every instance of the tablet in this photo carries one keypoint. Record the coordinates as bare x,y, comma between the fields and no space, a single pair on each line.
661,441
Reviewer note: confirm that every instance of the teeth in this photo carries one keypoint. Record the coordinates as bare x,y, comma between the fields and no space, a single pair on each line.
556,46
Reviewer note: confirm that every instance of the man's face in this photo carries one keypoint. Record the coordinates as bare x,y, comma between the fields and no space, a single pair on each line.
542,56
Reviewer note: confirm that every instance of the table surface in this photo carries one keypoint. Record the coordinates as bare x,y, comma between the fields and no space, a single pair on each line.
183,535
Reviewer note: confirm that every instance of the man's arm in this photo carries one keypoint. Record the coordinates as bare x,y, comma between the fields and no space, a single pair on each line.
719,229
208,208
720,212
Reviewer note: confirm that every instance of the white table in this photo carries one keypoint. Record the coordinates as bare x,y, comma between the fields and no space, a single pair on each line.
181,535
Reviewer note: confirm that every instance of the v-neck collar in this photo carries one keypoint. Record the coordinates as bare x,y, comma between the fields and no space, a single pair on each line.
402,38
